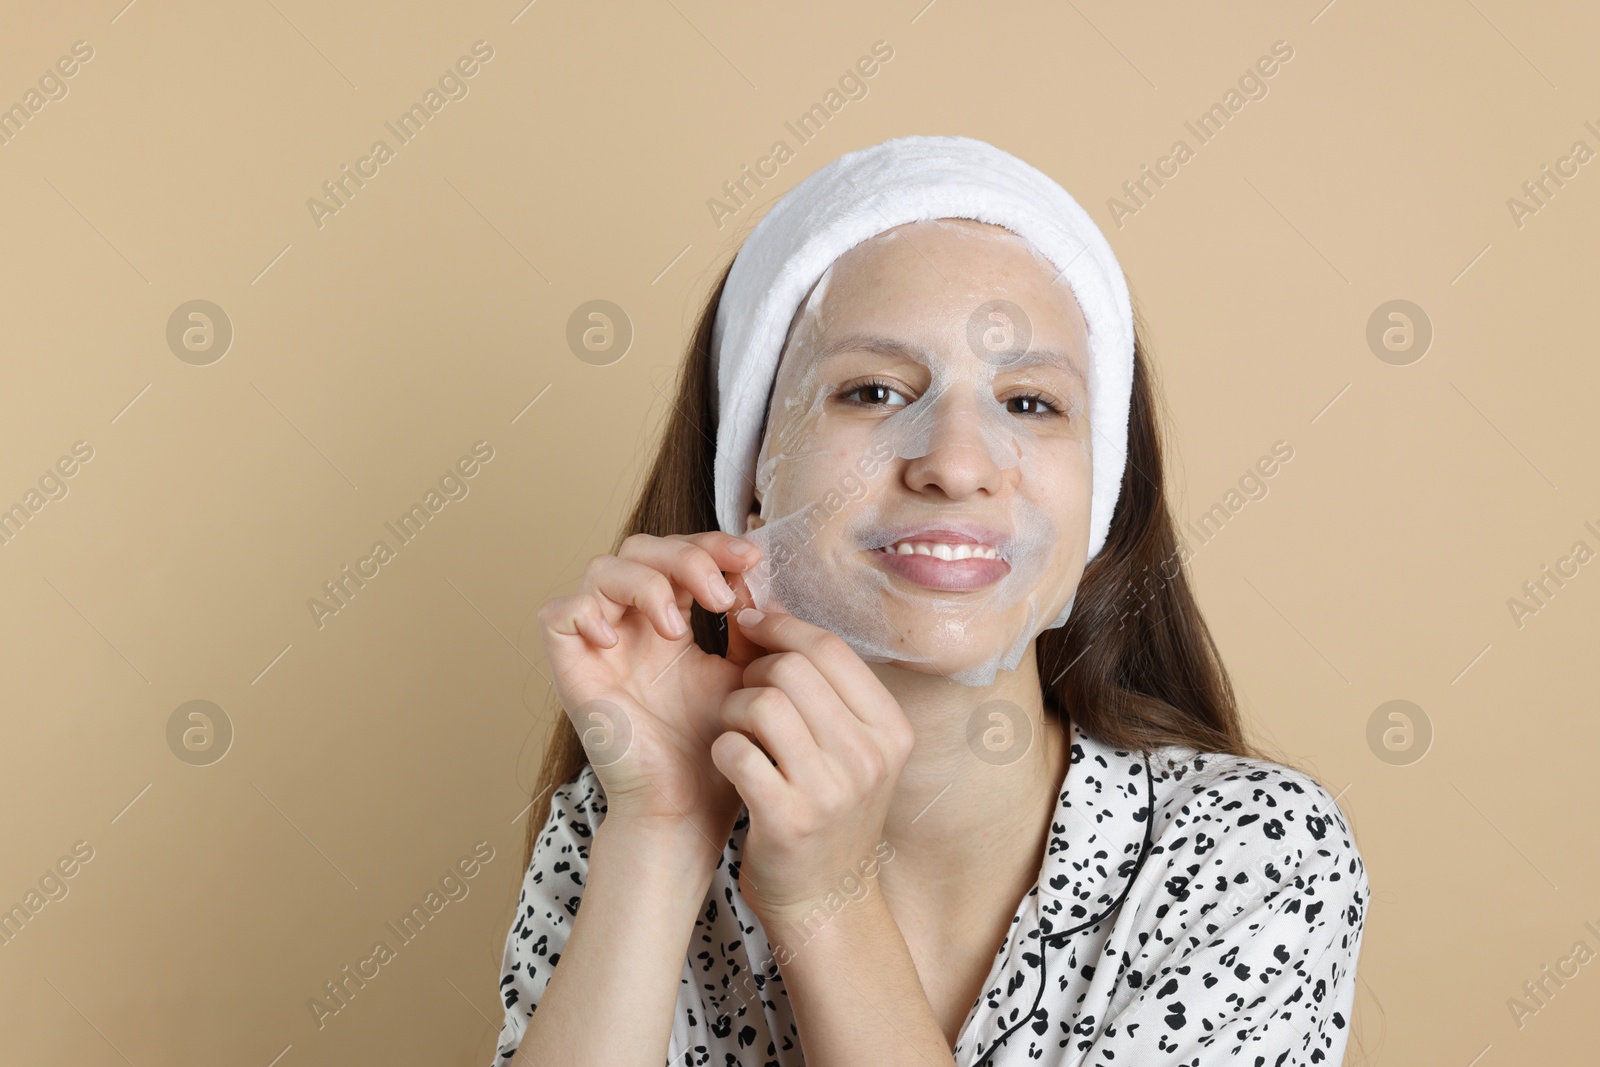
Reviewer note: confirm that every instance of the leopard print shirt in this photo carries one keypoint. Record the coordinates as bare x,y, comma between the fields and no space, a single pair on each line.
1193,909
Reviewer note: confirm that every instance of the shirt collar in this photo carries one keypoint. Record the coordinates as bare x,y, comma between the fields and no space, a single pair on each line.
1099,839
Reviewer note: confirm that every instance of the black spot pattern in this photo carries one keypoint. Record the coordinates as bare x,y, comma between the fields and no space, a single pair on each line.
1194,909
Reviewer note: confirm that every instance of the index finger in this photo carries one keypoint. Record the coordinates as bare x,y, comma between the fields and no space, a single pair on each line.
731,553
694,563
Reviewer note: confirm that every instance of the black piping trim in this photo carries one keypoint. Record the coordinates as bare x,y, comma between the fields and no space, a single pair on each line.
1058,939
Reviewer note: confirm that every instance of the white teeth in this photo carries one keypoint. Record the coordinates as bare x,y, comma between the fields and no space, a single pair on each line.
942,550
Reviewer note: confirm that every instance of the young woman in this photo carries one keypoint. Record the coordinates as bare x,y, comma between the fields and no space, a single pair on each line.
973,789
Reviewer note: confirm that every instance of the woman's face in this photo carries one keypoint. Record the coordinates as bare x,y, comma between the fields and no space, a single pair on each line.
933,391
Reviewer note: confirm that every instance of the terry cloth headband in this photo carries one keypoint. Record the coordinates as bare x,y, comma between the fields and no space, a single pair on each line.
862,194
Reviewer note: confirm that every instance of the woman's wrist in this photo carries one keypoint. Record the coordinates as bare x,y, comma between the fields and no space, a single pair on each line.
611,999
675,855
832,917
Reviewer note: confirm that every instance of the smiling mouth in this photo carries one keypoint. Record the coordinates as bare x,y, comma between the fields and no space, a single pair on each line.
945,550
942,565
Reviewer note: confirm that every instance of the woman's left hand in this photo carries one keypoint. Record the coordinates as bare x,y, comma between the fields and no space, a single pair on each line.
839,739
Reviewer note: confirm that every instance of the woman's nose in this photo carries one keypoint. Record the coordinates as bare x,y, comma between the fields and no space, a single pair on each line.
952,448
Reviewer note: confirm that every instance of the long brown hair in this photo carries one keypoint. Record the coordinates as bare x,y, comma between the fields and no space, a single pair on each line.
1135,663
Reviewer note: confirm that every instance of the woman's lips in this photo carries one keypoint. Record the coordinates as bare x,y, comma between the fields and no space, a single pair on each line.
931,572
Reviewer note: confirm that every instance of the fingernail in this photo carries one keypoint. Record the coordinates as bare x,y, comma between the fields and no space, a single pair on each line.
610,631
749,617
741,548
725,595
679,627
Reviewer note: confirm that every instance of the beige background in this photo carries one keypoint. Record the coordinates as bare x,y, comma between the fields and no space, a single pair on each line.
369,354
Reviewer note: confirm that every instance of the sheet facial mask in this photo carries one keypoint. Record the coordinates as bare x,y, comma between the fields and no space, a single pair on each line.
868,192
832,501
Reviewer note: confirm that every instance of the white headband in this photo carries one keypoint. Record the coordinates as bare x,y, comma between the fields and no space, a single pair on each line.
864,193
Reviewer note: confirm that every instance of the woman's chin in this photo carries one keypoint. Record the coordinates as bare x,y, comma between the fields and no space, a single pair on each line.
945,657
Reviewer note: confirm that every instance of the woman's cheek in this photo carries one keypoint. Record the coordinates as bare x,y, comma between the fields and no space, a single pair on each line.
833,472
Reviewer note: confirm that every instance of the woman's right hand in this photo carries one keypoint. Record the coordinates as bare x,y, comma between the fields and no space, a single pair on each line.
642,695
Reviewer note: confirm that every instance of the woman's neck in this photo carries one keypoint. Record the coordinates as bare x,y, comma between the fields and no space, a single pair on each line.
979,791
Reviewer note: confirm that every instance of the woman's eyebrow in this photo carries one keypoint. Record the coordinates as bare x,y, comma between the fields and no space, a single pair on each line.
1044,357
888,346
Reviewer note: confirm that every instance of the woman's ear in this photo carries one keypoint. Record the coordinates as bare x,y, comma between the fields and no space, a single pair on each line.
754,520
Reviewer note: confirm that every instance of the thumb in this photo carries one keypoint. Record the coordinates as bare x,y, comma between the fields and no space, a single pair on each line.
742,651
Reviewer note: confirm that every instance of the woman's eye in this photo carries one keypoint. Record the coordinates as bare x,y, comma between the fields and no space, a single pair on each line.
873,394
878,393
1033,403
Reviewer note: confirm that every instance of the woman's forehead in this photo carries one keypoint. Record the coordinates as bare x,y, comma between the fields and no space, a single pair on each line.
941,262
983,241
923,279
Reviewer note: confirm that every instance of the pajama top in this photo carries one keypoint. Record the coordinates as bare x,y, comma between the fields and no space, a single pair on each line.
1192,909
